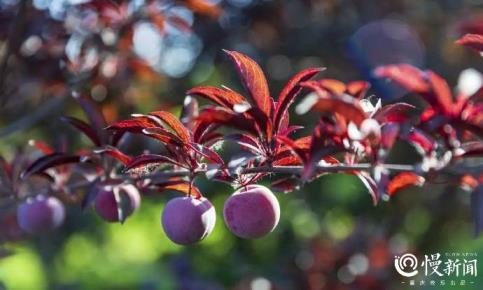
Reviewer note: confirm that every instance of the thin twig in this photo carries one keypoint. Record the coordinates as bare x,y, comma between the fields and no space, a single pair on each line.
295,170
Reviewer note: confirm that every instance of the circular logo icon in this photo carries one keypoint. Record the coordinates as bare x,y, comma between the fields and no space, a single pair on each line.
406,265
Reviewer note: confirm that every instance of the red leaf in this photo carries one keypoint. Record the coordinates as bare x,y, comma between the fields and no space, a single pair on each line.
402,181
398,112
223,97
471,149
264,124
114,153
163,135
289,130
474,41
49,161
294,147
201,129
319,148
286,158
389,133
441,92
173,123
228,118
422,141
95,116
335,87
358,89
180,186
254,80
407,76
290,92
146,159
343,104
84,128
207,153
136,125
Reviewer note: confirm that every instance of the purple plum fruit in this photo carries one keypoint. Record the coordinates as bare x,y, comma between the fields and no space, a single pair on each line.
252,212
187,220
40,214
106,205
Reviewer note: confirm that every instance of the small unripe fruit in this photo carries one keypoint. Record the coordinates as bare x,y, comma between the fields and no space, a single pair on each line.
40,214
106,205
252,212
187,220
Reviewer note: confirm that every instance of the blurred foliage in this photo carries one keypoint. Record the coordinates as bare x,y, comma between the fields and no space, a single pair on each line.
326,227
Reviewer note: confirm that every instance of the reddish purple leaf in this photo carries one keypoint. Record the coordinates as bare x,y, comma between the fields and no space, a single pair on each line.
398,112
227,118
474,41
471,149
389,133
223,97
286,158
163,135
289,130
135,125
358,89
441,92
173,123
294,147
402,181
290,92
422,141
254,80
84,128
334,87
47,162
342,104
407,76
207,153
95,116
264,124
114,153
181,186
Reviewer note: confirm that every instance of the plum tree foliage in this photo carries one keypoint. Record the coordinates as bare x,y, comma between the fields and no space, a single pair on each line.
352,135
